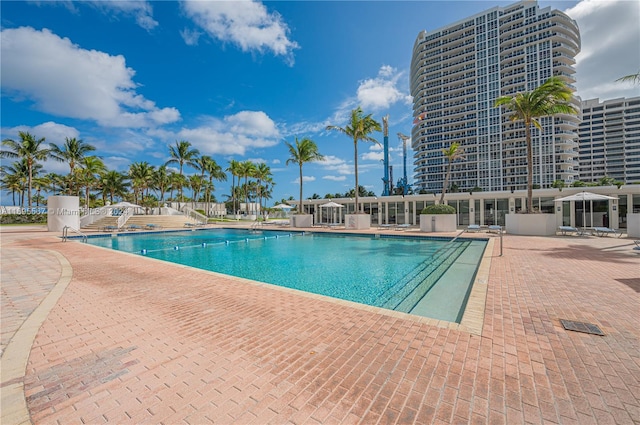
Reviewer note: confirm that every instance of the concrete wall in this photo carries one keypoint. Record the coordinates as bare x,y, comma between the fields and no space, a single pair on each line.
63,211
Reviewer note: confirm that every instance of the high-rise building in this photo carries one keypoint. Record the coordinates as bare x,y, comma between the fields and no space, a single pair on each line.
457,73
610,140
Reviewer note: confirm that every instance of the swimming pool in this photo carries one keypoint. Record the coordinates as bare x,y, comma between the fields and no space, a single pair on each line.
393,272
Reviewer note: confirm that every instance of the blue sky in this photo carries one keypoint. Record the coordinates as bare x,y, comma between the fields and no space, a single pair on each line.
238,79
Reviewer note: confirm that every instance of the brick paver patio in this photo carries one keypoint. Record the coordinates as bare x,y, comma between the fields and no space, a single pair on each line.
135,340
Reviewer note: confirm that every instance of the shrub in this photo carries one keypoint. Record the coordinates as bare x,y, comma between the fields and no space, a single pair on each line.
23,219
439,209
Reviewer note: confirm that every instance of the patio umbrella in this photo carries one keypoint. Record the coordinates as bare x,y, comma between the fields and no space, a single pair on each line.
332,205
585,196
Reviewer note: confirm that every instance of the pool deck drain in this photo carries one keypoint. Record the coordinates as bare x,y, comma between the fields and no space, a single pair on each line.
583,327
181,345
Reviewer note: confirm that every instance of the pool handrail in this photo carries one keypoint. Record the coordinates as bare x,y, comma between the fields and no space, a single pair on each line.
447,244
65,233
195,215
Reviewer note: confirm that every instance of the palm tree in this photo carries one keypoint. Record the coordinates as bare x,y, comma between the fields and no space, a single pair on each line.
246,169
14,180
452,153
40,182
92,169
55,181
182,154
303,151
161,181
552,97
178,181
359,128
209,166
72,151
262,174
195,183
234,169
634,78
141,175
27,148
114,183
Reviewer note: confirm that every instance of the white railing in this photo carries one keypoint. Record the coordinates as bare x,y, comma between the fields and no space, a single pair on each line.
190,212
126,215
93,215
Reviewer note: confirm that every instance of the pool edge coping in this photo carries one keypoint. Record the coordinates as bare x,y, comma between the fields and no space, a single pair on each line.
472,319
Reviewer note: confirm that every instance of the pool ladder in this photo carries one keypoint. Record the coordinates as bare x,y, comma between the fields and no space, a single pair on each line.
65,233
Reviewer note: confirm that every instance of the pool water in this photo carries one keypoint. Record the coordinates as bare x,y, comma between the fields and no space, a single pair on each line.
398,273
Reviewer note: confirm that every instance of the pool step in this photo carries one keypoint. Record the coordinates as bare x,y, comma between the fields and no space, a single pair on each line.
411,288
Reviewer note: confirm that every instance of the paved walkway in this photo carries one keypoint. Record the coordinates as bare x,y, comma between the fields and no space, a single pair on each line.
134,340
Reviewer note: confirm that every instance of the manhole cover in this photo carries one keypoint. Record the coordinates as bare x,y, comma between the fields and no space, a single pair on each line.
588,328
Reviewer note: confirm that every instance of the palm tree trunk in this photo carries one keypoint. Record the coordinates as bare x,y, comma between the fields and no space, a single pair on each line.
301,210
246,192
527,132
446,183
30,164
233,193
355,161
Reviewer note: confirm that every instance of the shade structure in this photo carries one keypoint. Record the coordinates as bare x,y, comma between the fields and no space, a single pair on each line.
332,205
282,207
585,196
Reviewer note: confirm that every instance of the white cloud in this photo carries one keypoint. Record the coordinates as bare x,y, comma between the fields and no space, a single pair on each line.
373,156
275,161
333,163
246,24
304,179
66,80
140,10
190,37
118,163
373,95
610,34
335,178
382,91
232,135
252,123
51,131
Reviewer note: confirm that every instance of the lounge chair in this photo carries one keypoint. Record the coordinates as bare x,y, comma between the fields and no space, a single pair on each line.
495,228
637,247
189,224
386,226
133,227
606,231
153,226
567,230
110,228
401,227
473,228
